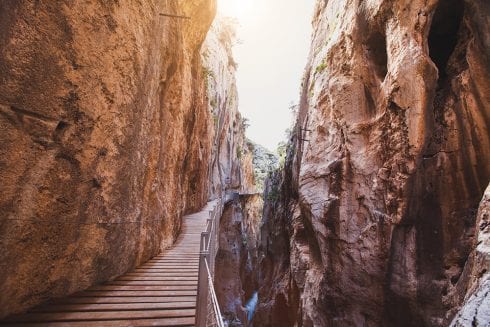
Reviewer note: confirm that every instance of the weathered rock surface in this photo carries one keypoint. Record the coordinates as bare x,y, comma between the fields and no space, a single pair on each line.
231,166
105,138
264,162
372,221
232,171
475,310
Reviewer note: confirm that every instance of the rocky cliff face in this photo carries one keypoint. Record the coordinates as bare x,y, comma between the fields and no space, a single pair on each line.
475,279
231,166
264,162
372,220
105,138
232,169
236,276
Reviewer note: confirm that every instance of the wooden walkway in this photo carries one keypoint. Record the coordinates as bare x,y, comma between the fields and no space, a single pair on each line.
162,292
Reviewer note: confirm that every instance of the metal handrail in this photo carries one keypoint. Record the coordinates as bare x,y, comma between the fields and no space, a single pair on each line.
207,256
214,298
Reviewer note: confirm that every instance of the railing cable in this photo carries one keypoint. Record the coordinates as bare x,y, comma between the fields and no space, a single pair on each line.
214,298
208,312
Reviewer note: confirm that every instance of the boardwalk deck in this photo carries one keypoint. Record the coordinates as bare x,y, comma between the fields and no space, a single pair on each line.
161,292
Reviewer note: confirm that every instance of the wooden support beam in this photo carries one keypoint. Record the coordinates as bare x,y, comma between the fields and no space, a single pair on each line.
174,16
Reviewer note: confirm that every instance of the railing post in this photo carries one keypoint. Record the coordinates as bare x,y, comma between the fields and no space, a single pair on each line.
203,284
215,237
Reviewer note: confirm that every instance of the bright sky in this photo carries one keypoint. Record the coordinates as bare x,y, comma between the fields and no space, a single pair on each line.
271,58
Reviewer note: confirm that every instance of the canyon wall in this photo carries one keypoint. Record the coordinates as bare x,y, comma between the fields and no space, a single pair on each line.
236,274
264,162
372,219
475,279
105,138
231,164
233,168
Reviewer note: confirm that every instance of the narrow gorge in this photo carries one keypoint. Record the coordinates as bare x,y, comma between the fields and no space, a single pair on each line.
126,167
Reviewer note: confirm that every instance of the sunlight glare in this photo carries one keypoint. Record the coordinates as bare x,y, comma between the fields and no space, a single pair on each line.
273,44
239,9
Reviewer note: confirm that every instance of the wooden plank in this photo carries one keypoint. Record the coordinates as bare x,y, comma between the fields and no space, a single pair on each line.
166,271
176,256
142,288
176,262
103,315
182,258
163,270
187,242
164,260
162,274
184,252
161,292
152,282
114,307
184,255
137,293
182,264
167,261
186,321
192,259
170,266
125,299
173,254
157,278
170,262
194,251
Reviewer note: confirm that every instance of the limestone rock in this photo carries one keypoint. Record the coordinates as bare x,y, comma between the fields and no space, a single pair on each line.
372,220
236,277
231,161
264,162
475,310
105,139
232,170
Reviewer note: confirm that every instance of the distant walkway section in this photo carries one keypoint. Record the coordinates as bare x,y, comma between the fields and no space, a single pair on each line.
162,292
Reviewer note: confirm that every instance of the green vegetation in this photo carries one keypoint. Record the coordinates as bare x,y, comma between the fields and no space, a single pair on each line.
207,73
321,67
273,194
250,145
230,100
213,102
239,152
283,147
281,152
245,123
312,87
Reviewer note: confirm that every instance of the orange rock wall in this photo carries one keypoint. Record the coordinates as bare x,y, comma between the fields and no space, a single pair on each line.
105,138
